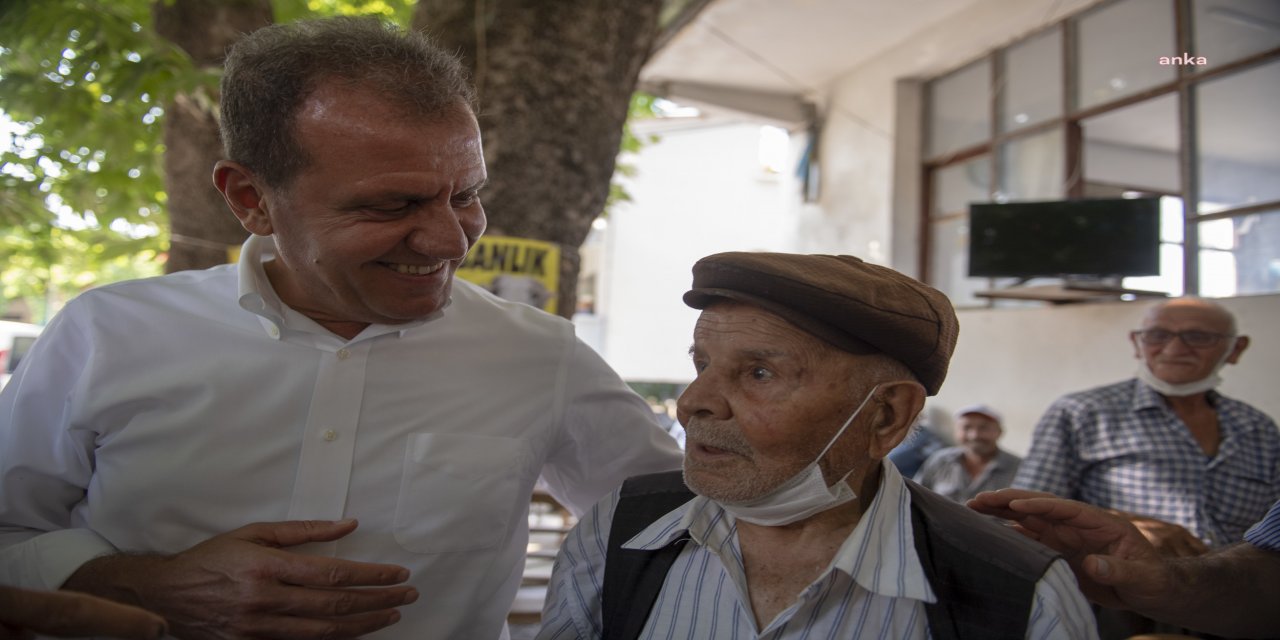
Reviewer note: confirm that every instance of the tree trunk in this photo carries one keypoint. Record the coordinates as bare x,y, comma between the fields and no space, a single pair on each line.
555,80
201,227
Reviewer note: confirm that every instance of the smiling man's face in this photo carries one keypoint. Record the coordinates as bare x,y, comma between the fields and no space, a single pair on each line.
373,228
1175,361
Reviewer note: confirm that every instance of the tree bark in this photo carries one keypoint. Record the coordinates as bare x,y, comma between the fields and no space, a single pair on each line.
555,80
201,227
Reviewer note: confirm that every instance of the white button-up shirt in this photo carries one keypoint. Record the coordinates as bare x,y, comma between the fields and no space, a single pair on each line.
154,414
875,586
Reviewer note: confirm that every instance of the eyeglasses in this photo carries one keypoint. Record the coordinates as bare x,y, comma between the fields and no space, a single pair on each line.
1198,339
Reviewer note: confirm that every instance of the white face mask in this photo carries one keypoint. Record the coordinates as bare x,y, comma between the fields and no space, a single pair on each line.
1202,385
802,495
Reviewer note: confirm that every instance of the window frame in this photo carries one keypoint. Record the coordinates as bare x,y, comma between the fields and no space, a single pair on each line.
1184,87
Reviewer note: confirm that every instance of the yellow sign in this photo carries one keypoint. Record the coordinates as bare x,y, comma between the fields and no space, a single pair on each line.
517,269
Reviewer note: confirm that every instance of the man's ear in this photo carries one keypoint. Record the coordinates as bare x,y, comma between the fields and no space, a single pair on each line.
1241,343
900,403
244,196
1137,347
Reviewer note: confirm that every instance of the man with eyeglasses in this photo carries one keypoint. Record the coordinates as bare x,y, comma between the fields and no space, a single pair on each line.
1191,468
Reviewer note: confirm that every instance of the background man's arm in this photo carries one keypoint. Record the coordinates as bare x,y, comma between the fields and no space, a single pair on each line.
1168,538
66,614
1117,567
1232,592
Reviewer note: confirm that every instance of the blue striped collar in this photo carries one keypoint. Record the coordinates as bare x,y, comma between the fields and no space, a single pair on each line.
879,553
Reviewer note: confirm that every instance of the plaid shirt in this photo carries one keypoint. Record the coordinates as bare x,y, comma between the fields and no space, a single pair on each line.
1121,447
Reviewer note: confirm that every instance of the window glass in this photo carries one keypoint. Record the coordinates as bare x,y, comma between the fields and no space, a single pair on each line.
1135,148
1171,233
1031,89
1240,255
1227,30
960,108
1238,134
949,262
1031,167
1120,46
954,187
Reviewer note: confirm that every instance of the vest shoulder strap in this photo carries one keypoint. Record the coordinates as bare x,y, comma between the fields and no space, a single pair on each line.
984,575
633,578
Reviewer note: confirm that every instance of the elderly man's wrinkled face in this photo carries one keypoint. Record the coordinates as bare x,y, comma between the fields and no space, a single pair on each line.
767,398
1170,357
373,228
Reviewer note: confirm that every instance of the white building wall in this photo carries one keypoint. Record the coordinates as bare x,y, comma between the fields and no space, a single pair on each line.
699,190
1019,359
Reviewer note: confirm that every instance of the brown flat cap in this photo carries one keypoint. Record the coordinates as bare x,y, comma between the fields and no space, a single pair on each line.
853,305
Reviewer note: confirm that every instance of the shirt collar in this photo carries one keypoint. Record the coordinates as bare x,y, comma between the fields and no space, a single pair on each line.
257,296
1145,397
879,554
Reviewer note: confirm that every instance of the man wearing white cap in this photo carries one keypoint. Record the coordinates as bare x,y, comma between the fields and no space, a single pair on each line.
976,464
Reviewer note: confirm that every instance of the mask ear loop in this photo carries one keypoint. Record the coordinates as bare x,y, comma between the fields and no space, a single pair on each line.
847,422
1232,341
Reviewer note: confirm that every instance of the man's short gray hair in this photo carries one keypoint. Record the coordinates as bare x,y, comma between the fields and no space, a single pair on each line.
272,71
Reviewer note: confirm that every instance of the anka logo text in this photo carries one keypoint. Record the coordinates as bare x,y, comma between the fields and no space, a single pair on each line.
1185,59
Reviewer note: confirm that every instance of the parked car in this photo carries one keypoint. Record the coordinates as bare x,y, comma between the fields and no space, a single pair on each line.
16,339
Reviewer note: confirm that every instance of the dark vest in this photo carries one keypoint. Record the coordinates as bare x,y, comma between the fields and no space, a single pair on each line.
984,575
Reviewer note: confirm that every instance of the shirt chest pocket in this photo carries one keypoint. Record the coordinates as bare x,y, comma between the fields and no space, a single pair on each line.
459,492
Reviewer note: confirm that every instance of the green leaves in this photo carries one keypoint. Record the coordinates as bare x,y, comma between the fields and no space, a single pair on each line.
82,89
88,80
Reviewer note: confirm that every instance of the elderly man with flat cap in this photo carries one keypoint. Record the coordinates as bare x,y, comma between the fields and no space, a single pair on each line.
793,525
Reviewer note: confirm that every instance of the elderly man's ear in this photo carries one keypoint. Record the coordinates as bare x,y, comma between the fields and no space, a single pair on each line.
898,405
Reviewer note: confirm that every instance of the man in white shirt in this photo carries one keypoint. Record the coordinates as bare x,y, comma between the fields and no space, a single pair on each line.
810,369
206,444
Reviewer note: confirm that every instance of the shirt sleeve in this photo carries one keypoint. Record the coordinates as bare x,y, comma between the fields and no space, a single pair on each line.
1266,534
1060,611
608,434
46,461
1052,464
572,609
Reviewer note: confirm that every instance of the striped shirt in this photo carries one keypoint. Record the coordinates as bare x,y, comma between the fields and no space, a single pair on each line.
1266,534
1121,447
875,586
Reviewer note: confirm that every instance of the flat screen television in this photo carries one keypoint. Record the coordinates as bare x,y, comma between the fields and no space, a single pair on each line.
1100,238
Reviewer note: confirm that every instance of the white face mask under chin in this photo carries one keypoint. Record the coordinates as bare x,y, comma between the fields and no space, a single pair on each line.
802,495
1202,385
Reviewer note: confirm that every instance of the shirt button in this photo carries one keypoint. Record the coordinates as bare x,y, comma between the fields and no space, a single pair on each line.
343,354
275,332
329,435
